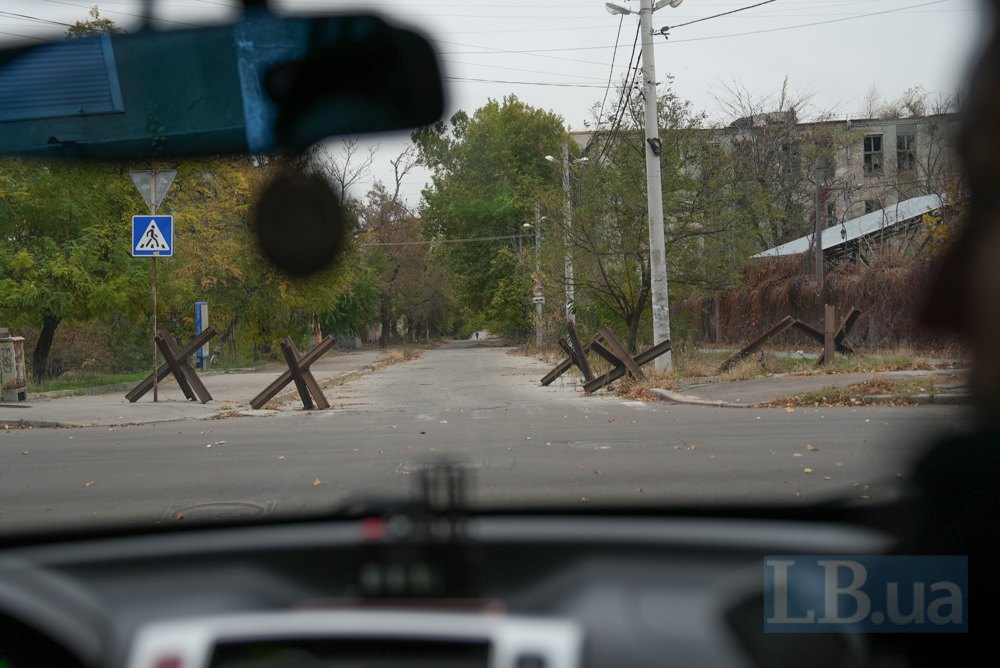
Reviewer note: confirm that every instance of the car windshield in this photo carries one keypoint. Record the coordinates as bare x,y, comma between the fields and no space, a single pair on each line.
643,259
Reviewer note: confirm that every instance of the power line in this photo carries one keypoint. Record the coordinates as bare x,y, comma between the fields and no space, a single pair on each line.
600,114
14,34
124,13
545,52
525,83
442,241
622,99
34,18
488,51
808,25
715,16
622,107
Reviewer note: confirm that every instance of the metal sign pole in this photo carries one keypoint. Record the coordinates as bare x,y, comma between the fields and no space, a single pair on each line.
158,241
152,211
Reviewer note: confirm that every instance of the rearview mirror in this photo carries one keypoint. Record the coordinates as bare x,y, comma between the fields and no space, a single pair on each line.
263,84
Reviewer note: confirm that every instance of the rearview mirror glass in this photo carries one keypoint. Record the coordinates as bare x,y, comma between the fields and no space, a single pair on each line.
263,84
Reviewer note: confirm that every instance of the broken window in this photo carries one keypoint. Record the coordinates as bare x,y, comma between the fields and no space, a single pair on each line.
873,155
906,160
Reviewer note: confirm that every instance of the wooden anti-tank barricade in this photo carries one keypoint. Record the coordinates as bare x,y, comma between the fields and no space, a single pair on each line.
177,364
298,371
607,346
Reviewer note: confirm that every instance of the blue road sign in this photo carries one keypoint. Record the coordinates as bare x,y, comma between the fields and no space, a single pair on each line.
152,236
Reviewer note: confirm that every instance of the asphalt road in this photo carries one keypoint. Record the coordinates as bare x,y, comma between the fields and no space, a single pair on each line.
481,405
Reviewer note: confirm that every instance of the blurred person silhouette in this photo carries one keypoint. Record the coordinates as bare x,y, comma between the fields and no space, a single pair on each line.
957,480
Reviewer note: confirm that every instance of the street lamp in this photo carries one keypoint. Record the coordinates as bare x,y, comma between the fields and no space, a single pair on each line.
570,289
654,192
625,7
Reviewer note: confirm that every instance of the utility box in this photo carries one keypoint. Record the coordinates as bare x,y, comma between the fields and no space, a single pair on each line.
13,376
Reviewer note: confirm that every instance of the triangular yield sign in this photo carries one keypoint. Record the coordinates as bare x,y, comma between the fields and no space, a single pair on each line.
152,239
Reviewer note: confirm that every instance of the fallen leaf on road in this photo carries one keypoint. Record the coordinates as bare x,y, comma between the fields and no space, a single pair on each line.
89,483
612,420
789,410
807,470
316,482
812,448
281,456
866,488
798,493
827,477
597,471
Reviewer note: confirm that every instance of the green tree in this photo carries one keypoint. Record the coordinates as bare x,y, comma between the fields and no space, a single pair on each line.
94,25
609,237
487,170
64,246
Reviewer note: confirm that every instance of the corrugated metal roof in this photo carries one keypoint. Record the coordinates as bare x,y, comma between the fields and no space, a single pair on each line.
860,227
69,78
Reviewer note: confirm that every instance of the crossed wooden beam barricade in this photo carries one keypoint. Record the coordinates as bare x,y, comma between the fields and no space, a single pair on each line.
177,364
607,346
192,387
840,340
298,371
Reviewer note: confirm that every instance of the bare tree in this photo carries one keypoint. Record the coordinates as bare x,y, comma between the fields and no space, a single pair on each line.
347,167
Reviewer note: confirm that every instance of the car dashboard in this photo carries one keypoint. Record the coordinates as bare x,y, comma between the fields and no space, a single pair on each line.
517,590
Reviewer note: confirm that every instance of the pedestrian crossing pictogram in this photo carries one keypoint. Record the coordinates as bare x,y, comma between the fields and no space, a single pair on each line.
152,236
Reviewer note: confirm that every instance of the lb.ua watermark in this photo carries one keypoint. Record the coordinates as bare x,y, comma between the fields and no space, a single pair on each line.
886,594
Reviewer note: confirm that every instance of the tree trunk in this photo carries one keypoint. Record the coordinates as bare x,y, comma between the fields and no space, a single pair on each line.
635,320
40,356
633,331
385,317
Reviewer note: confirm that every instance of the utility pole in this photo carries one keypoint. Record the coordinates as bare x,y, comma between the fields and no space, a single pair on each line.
818,236
568,260
538,274
829,310
654,190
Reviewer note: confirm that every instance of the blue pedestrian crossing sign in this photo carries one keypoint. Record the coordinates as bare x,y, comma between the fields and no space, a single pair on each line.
152,236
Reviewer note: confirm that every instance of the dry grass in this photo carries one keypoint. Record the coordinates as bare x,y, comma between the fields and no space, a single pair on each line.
884,391
703,366
394,356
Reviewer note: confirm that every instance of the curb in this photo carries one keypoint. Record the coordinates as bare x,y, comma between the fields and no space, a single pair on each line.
85,391
871,399
50,424
677,398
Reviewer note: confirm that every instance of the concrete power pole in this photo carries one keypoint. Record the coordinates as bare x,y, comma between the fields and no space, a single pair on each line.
568,260
654,189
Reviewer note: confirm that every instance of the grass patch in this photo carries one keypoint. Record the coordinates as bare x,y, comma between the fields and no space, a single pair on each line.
897,392
83,381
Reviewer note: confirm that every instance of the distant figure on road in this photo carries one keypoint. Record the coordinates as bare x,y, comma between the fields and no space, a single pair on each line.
477,336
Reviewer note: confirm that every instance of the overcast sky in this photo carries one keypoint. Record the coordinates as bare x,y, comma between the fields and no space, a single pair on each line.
559,54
